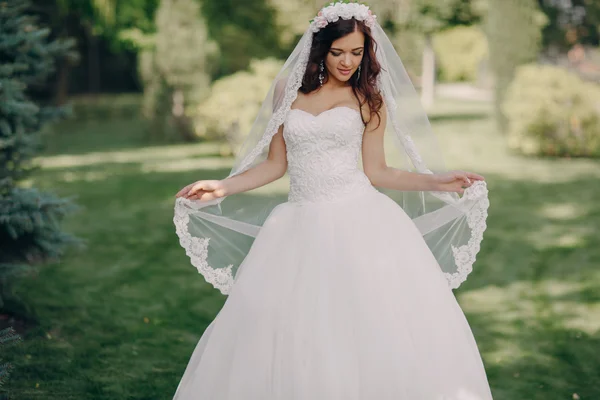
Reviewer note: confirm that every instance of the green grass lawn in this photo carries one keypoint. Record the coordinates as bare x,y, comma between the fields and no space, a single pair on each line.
120,319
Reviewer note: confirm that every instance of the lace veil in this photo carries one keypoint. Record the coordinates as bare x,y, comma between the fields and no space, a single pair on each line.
218,234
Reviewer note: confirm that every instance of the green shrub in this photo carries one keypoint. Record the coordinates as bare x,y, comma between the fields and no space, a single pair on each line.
460,52
553,112
230,110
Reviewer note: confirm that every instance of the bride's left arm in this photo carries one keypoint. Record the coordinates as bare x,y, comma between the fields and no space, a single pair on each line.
384,176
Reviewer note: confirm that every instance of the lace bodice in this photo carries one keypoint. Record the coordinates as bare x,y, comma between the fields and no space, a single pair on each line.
322,153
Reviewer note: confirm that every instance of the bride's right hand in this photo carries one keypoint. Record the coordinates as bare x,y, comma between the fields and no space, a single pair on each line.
203,190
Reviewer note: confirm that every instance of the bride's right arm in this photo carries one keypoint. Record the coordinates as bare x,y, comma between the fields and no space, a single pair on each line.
271,169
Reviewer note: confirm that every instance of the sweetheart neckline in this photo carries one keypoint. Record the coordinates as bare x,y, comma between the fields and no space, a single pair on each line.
323,112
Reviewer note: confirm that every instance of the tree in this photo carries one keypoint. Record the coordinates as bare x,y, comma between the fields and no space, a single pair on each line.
30,232
175,65
292,18
429,17
514,34
107,18
95,23
243,30
570,22
405,18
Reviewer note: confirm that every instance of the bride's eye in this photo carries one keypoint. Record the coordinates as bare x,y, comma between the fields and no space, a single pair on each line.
358,54
336,54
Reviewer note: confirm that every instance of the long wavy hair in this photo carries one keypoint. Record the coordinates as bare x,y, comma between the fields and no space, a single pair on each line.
365,88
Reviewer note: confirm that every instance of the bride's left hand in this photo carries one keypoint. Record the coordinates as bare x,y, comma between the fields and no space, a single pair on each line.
455,181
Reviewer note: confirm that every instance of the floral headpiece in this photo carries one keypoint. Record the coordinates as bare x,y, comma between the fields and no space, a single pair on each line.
338,10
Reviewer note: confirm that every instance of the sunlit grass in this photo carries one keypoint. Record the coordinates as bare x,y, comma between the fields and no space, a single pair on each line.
120,319
140,155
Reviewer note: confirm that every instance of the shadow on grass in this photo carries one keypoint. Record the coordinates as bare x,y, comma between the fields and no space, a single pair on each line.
540,360
538,231
121,319
75,137
533,298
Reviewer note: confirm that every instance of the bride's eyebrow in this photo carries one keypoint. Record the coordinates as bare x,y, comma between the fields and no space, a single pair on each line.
335,48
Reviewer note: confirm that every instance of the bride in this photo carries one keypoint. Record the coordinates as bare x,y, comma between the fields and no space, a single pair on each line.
338,291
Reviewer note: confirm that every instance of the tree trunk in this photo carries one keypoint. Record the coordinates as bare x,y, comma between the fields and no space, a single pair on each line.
61,89
93,60
182,123
428,74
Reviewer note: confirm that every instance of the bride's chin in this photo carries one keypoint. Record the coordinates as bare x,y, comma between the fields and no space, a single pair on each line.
343,78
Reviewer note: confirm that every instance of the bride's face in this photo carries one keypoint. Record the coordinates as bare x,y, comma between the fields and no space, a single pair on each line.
345,55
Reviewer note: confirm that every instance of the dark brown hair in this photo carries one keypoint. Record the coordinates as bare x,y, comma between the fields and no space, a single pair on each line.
365,88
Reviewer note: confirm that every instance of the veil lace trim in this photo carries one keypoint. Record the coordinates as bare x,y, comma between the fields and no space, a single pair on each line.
197,250
464,256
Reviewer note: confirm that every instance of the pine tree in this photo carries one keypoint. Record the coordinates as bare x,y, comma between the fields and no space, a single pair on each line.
30,231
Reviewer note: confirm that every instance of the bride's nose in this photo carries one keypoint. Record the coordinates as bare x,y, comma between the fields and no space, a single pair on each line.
346,61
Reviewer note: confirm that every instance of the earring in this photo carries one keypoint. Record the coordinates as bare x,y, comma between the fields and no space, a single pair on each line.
321,77
358,76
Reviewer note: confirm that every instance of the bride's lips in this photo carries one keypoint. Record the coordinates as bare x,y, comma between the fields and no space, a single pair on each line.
344,71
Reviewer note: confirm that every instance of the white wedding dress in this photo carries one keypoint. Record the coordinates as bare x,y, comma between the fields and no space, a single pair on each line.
339,297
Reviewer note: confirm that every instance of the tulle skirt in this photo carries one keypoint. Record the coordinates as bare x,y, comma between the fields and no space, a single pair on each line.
338,300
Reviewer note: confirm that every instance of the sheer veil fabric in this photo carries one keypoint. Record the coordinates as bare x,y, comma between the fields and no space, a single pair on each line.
218,234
